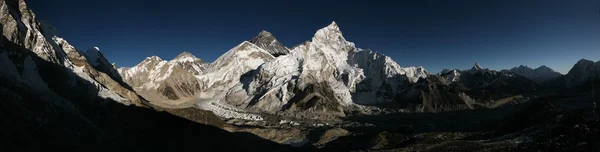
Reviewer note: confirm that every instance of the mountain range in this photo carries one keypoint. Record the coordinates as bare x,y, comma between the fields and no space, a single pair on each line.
539,75
325,78
51,93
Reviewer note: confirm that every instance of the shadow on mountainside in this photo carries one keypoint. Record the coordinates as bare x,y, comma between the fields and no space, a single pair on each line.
75,116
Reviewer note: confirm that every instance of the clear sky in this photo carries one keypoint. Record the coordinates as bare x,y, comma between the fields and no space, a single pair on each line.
436,34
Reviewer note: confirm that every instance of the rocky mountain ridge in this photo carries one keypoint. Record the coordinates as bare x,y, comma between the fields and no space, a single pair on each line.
539,75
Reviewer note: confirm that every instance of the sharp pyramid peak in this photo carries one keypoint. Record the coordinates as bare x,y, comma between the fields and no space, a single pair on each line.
263,37
268,42
329,33
477,66
333,25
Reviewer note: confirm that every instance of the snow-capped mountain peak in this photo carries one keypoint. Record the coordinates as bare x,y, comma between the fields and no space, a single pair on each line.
185,56
153,58
451,75
331,35
477,66
265,33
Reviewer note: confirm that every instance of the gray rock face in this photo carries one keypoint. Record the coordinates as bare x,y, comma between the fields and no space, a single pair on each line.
268,42
539,75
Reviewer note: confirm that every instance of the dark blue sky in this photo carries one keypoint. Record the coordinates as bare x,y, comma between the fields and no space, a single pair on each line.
436,34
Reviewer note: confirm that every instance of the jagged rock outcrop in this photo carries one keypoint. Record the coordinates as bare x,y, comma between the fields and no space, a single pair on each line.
539,75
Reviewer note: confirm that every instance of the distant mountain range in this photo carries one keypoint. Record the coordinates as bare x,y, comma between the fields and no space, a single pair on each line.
539,75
